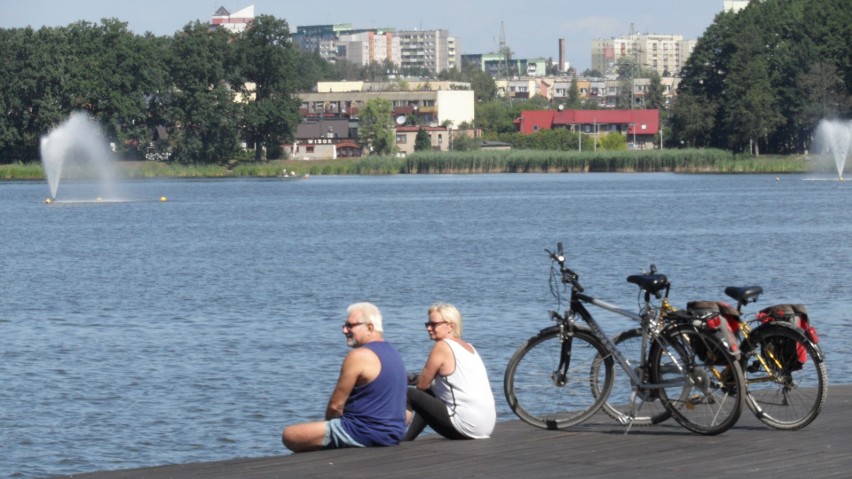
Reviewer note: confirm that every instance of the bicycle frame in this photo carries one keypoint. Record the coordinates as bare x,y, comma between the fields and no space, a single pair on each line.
577,307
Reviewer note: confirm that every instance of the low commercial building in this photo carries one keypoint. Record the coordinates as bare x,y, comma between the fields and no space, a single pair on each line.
641,127
406,137
430,107
325,139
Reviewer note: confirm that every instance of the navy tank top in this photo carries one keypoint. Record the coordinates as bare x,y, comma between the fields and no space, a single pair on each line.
374,414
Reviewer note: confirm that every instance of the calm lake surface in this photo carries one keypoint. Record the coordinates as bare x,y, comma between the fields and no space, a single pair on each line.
142,332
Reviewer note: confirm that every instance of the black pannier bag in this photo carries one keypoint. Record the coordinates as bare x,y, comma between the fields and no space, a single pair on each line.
719,319
795,315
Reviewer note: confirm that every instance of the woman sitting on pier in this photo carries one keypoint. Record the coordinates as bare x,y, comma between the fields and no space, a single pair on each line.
452,394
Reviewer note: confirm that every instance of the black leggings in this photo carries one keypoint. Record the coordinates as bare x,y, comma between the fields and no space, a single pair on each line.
429,411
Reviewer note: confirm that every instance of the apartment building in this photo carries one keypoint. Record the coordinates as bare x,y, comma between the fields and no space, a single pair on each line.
234,22
430,50
665,54
368,47
321,39
734,5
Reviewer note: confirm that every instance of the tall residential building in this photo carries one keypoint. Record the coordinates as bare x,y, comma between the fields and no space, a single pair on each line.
367,47
321,39
431,50
234,22
734,5
665,54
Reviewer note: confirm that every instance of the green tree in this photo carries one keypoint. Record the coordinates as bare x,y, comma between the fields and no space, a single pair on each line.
266,62
200,109
754,72
573,101
376,131
613,141
422,142
751,107
654,98
825,92
464,143
495,116
691,119
627,72
310,68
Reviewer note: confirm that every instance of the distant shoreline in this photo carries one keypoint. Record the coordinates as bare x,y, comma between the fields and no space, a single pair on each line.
471,162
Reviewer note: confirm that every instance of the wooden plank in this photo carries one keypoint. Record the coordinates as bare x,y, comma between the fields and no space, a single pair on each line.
597,448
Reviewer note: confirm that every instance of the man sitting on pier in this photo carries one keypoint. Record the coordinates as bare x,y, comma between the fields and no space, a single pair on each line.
367,407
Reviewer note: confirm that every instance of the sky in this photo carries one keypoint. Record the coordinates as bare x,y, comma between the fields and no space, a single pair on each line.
531,29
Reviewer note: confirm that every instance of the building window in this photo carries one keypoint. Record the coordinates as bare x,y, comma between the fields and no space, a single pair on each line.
401,139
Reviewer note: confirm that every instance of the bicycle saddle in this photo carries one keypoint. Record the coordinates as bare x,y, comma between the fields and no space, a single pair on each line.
649,282
745,293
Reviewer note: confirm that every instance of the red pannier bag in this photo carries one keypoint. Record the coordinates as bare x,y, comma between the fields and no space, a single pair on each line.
795,315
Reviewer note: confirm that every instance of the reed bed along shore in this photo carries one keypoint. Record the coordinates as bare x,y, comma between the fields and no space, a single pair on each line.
470,162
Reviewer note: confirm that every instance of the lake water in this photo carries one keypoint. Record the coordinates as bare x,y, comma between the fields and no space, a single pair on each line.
142,332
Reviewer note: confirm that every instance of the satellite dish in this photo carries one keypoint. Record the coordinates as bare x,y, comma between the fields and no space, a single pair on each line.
400,120
561,107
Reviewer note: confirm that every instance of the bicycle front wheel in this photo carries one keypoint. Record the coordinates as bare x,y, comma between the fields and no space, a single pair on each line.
549,383
701,384
786,377
641,408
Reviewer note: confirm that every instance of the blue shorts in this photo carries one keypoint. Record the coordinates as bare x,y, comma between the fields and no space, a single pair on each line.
336,437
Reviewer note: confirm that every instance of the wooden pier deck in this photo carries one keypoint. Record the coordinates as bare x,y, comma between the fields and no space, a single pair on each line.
597,448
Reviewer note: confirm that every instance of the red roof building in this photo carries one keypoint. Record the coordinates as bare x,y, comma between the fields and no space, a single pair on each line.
641,125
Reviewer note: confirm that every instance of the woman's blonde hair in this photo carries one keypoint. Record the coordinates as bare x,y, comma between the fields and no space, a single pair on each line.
450,314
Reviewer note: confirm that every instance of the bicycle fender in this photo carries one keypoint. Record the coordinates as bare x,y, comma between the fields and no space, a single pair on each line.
555,329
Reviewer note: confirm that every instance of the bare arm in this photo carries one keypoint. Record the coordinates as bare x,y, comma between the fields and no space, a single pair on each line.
440,361
351,371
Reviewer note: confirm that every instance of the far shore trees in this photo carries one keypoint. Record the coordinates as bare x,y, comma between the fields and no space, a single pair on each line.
376,132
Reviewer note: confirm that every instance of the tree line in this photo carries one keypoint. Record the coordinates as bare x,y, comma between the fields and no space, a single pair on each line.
212,91
761,80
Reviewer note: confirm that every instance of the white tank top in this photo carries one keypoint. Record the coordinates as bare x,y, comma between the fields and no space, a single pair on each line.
467,394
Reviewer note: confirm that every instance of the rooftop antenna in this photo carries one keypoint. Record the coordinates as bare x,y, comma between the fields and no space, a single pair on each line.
504,50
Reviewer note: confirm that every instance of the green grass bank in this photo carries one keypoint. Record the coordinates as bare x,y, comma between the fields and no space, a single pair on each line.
470,162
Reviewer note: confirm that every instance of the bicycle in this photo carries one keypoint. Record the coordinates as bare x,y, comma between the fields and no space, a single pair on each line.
563,375
784,369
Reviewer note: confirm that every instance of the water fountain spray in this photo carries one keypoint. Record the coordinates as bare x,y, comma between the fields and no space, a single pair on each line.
834,137
78,149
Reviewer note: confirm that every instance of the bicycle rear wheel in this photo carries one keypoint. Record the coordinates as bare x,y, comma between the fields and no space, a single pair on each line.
545,391
703,392
783,391
648,410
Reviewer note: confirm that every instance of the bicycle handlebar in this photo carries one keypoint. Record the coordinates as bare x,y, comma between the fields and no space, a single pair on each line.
568,276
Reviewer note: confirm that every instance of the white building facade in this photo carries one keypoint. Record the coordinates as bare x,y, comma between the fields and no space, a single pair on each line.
665,54
431,50
234,22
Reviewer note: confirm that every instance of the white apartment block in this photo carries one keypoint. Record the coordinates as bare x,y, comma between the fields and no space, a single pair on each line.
734,5
367,47
661,53
432,50
234,22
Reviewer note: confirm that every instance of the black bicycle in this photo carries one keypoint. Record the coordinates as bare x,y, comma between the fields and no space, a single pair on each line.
784,367
564,374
